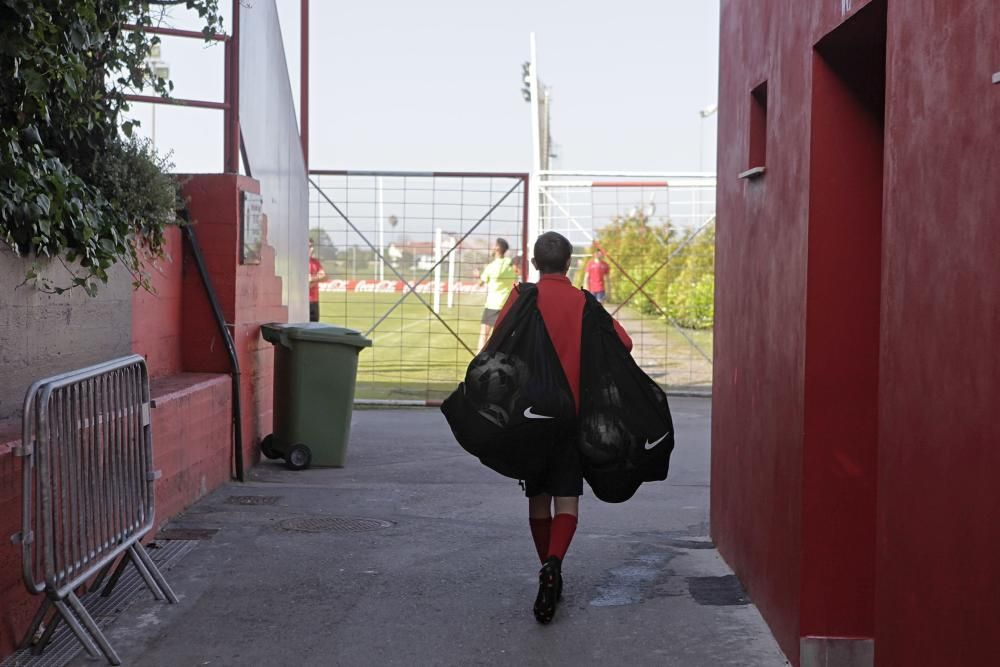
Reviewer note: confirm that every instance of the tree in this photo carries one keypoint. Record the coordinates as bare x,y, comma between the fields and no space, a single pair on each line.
74,185
681,284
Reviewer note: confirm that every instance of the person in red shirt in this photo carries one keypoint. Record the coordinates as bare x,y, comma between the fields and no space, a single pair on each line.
316,276
559,488
597,271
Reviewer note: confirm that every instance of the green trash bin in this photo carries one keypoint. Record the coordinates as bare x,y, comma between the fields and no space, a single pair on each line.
315,367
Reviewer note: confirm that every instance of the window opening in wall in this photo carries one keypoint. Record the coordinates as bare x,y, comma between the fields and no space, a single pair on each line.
757,158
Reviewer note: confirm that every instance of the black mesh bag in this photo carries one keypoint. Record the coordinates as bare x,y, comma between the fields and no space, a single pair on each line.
625,432
515,401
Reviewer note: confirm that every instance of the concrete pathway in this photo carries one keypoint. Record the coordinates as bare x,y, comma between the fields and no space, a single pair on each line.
451,579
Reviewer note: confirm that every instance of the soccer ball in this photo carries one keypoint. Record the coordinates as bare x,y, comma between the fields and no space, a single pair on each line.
604,439
659,397
493,377
494,414
609,395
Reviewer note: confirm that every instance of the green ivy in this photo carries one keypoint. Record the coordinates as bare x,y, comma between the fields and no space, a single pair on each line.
75,186
683,289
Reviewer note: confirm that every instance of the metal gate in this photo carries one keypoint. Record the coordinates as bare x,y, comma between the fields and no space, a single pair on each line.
402,253
657,235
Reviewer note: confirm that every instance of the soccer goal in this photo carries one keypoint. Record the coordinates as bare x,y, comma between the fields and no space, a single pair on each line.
656,234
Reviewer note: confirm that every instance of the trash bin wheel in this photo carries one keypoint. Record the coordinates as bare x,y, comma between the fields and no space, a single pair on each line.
267,448
298,458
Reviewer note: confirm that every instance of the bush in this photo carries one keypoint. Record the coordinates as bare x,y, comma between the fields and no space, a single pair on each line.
683,288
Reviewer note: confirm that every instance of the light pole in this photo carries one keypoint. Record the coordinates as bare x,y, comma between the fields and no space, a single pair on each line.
532,96
381,232
705,114
157,69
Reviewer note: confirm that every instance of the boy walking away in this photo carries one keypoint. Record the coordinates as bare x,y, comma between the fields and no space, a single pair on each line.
597,271
554,492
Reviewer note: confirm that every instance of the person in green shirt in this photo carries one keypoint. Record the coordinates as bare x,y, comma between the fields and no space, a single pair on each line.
498,276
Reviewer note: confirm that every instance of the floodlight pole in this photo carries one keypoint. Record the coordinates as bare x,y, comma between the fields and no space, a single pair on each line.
705,114
156,66
534,227
381,232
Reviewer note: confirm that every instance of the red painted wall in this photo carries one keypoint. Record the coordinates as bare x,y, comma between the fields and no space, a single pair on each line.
213,202
157,314
758,388
852,463
16,606
192,436
938,578
249,295
175,328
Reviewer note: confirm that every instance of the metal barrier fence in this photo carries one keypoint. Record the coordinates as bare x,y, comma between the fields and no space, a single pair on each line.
402,252
88,492
657,236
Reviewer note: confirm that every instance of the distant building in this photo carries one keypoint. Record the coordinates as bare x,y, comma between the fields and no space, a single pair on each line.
412,254
420,255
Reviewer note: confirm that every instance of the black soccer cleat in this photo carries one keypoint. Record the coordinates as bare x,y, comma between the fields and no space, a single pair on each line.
549,590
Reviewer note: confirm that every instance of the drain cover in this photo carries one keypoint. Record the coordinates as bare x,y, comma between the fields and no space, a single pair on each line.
724,591
333,524
252,500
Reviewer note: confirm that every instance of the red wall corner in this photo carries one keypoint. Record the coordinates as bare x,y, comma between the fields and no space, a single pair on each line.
157,315
249,295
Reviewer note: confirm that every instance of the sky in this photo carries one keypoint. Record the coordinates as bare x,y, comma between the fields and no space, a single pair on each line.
435,85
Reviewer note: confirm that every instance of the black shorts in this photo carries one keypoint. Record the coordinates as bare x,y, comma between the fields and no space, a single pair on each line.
314,311
563,475
490,316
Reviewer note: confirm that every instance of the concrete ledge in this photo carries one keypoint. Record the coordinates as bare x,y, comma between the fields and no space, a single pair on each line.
173,387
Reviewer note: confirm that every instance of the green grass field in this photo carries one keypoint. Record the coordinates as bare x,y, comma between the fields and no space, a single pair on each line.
414,356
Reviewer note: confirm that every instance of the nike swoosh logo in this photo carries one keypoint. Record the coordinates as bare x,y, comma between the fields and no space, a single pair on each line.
650,445
531,415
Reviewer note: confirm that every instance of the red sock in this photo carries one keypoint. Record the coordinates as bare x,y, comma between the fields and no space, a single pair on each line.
540,531
563,527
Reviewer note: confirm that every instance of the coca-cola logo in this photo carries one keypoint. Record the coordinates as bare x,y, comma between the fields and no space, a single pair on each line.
390,286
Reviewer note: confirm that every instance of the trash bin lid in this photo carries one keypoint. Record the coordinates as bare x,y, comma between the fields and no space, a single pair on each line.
318,332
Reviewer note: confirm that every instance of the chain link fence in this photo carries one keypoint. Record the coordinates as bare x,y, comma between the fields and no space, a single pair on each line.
403,252
656,235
